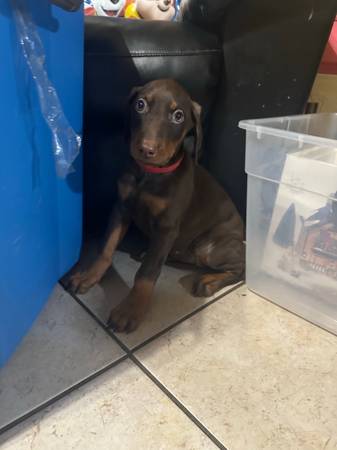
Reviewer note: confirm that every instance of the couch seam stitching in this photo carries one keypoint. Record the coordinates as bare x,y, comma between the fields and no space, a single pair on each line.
156,53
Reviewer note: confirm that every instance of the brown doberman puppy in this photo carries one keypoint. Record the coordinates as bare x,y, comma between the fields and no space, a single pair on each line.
175,202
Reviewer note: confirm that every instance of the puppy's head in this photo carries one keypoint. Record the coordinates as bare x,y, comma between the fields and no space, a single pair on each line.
161,114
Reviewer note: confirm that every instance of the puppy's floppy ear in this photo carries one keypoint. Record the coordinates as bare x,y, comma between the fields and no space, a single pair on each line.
133,93
196,116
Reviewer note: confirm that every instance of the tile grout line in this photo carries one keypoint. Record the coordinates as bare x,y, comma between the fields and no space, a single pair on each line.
63,394
177,402
153,378
128,355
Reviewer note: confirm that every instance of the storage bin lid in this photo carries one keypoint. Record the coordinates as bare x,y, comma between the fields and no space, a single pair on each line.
317,129
299,151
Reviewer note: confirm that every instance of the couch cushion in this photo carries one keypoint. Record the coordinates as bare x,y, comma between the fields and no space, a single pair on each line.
121,54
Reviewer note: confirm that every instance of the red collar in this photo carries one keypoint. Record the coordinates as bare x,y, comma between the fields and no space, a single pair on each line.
155,169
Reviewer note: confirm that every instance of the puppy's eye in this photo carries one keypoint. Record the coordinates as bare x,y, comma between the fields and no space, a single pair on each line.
178,116
141,106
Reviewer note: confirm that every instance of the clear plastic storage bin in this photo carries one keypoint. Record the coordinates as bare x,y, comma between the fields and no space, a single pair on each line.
291,164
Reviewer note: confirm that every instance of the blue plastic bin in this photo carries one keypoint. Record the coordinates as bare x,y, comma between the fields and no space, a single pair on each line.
40,213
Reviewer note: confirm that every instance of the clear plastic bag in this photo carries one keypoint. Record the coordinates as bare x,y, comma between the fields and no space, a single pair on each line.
66,142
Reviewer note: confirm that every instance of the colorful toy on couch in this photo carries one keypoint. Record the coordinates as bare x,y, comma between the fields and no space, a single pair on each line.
151,10
133,9
108,8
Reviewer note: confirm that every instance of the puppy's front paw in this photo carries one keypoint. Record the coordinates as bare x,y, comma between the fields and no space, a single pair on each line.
127,316
81,282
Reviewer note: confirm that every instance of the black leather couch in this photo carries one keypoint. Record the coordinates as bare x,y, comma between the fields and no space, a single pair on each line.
239,59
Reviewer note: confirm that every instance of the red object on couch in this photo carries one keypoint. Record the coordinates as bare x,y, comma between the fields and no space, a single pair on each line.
329,60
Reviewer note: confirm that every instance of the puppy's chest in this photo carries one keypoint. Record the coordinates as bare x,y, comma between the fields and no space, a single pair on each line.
148,210
147,205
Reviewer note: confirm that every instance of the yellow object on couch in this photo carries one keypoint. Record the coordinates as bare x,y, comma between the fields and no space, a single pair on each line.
131,12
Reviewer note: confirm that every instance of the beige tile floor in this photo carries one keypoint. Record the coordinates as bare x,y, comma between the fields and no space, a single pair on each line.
120,410
240,374
64,347
256,375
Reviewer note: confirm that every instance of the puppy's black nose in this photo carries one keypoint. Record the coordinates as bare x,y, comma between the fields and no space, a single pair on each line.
148,150
167,2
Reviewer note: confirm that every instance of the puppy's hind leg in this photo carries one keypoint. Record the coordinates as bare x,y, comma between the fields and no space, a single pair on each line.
208,284
226,265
